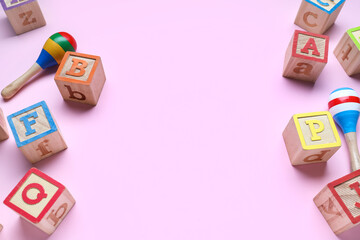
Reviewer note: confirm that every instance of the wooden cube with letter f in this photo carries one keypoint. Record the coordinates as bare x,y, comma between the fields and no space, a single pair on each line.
80,78
36,132
40,200
311,138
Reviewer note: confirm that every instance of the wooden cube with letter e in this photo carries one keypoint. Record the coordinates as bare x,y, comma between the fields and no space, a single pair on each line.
40,200
317,16
23,15
36,132
80,78
311,138
306,56
339,202
4,133
347,51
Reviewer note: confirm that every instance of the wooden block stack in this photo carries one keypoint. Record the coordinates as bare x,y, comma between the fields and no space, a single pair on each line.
40,200
23,15
311,138
36,132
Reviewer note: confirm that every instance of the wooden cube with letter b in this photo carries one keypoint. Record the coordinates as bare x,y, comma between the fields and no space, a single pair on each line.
40,200
339,202
311,138
80,78
36,132
306,56
23,15
347,51
317,16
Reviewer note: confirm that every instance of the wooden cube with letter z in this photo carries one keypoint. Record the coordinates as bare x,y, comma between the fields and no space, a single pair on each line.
317,16
80,78
36,132
40,200
311,138
347,51
23,15
339,202
306,56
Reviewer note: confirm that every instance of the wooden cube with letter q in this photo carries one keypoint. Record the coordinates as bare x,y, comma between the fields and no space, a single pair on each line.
311,138
40,200
80,78
23,15
339,202
317,16
347,51
306,56
36,132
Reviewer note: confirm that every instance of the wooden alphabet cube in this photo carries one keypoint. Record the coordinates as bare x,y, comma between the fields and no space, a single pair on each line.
4,134
339,202
80,78
347,51
317,16
40,200
23,15
311,138
306,56
36,132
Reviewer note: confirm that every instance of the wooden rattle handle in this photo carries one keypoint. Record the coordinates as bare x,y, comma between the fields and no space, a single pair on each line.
10,90
351,141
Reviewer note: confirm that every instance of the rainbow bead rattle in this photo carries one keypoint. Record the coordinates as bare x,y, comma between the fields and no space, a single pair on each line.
344,106
52,53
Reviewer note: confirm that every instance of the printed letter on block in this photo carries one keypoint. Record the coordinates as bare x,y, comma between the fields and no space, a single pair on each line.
23,15
311,138
306,56
317,16
36,133
80,78
40,200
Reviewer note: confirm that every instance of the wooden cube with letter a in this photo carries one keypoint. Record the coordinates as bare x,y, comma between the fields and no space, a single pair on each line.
40,200
306,56
23,15
339,202
4,133
36,132
80,78
347,51
311,138
317,16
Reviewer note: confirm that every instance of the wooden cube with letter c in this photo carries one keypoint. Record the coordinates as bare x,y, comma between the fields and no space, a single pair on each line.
23,15
306,56
40,200
80,78
347,51
339,202
317,16
311,138
4,133
36,132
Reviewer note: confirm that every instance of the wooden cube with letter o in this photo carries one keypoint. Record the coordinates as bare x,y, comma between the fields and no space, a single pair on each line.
40,200
80,78
311,138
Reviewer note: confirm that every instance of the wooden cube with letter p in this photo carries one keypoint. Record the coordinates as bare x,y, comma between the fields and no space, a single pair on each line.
40,200
36,132
317,16
23,15
306,56
339,202
311,138
80,78
347,51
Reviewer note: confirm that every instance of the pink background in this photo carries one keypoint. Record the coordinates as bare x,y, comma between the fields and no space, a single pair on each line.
185,143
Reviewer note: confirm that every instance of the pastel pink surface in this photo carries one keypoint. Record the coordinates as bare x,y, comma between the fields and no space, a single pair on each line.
185,142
